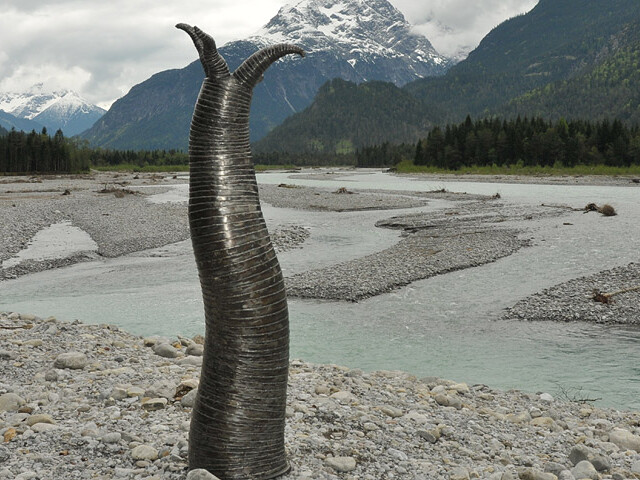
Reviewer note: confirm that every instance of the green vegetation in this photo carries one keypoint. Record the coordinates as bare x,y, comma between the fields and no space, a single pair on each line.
571,59
530,143
38,152
345,117
407,166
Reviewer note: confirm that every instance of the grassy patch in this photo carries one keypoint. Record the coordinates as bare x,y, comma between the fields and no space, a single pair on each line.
407,166
127,167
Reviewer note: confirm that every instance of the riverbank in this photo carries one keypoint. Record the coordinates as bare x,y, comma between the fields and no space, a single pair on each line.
92,401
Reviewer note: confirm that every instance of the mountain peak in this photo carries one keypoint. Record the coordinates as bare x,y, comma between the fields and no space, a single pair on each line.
62,108
356,27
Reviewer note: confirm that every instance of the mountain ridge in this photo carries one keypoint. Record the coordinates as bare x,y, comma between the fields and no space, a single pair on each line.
141,120
58,109
582,66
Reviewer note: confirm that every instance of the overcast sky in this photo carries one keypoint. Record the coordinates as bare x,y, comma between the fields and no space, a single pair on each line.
102,48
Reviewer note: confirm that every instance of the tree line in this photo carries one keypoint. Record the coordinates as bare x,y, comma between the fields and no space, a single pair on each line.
30,153
33,152
530,142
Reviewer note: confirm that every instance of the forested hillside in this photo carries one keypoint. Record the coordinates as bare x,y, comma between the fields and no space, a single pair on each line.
557,42
609,88
345,116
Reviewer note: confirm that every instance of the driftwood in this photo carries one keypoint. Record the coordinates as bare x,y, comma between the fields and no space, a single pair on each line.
606,297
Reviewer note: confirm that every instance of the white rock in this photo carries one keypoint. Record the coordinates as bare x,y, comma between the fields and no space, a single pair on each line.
585,469
625,439
10,402
189,399
43,427
342,464
144,452
201,474
71,360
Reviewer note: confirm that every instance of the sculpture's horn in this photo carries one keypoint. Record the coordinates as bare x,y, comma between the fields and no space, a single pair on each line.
251,70
213,64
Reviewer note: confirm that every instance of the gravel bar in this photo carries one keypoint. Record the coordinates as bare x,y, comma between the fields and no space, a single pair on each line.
470,234
95,402
574,300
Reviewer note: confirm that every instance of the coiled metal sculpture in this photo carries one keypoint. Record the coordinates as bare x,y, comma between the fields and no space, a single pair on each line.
237,425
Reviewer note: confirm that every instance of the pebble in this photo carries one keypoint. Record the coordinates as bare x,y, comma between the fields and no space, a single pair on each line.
201,474
165,350
10,402
625,439
71,360
342,464
585,469
144,452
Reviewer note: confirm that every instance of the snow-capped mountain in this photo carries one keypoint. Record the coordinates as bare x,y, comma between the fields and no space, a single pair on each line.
357,40
356,31
62,109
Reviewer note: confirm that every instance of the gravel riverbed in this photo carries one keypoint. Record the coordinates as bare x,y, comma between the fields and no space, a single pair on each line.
575,300
94,402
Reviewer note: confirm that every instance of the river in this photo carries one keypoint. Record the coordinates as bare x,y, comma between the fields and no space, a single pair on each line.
447,326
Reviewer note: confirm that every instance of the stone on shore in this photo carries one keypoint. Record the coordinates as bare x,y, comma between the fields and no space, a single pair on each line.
625,439
144,452
342,464
201,474
165,350
71,360
585,469
10,402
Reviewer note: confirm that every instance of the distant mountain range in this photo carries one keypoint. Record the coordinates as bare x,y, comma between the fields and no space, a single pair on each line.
38,108
356,40
570,58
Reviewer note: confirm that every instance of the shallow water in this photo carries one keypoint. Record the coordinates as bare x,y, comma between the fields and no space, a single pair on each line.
60,240
445,326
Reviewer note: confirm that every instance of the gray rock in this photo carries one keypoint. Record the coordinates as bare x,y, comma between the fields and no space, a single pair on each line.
625,439
113,437
635,468
555,468
10,402
195,349
39,418
71,360
6,355
533,474
201,474
566,475
43,427
51,375
392,412
144,452
5,454
189,399
152,404
165,350
582,452
585,469
341,464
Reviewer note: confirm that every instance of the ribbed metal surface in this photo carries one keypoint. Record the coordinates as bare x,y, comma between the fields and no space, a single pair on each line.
237,426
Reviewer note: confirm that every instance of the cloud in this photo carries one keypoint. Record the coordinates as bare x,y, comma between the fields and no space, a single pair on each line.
103,48
452,25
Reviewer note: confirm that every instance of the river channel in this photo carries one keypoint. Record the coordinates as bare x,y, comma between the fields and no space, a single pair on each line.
447,326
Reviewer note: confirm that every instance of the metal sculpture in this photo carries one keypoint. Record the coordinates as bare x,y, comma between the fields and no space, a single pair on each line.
237,425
